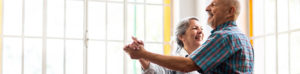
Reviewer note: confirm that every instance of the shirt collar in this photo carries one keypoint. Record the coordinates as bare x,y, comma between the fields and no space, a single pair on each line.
228,23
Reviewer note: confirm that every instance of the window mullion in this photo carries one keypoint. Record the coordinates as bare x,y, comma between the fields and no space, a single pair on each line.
64,61
44,42
264,37
22,36
106,55
276,35
85,36
289,40
125,37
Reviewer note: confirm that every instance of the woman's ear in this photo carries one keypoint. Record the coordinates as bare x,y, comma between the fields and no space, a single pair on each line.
180,37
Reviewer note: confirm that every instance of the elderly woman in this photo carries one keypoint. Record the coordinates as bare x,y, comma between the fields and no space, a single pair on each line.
188,36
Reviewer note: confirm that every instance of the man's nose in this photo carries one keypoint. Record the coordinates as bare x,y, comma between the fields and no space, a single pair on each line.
207,8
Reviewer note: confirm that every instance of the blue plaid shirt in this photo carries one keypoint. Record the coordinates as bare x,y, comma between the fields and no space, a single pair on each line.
227,50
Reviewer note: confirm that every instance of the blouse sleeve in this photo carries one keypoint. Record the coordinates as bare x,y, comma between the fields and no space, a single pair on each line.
156,69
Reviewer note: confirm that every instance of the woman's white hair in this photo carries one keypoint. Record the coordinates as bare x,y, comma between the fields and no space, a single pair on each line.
181,29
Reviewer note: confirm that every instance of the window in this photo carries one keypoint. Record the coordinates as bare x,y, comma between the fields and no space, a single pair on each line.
276,36
79,36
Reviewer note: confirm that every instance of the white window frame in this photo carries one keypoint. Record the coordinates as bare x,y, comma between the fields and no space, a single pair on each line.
276,34
85,38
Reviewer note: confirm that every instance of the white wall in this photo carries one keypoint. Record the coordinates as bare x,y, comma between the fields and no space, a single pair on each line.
187,8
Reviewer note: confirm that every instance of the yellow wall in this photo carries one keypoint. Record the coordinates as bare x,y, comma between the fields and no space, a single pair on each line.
167,27
250,21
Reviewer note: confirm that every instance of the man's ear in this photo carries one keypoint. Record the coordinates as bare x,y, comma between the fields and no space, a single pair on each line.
231,12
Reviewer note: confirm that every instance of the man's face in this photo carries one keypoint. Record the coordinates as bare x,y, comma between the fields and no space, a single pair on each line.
217,12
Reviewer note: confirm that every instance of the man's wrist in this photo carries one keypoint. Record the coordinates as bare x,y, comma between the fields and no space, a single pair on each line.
145,55
142,54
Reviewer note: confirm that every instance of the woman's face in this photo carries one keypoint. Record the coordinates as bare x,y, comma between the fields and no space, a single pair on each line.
193,35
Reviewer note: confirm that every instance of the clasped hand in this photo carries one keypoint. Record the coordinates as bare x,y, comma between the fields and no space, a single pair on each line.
135,49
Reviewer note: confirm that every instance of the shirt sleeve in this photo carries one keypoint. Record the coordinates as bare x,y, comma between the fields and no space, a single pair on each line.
156,69
212,53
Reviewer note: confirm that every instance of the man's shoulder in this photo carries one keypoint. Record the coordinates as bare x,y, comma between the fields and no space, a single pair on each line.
235,33
223,33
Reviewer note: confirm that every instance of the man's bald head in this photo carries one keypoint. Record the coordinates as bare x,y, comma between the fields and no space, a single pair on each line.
221,11
235,4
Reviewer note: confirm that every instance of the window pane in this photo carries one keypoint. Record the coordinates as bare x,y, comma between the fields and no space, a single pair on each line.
55,56
115,0
12,17
115,58
74,57
154,47
259,52
294,14
98,0
270,55
282,13
96,20
115,22
154,24
270,16
135,0
135,26
295,45
154,1
258,17
33,17
96,57
74,19
12,56
133,66
55,18
32,56
283,54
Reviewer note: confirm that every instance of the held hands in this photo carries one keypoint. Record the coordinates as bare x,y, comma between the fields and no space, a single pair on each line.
135,49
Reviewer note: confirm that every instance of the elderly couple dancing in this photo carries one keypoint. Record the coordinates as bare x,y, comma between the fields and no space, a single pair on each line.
226,51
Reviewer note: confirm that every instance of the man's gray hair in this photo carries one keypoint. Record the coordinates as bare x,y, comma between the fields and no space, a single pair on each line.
181,29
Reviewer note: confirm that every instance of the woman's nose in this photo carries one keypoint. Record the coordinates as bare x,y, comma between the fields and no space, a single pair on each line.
199,31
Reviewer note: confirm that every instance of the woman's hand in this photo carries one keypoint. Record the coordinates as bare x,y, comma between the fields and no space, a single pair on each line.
145,63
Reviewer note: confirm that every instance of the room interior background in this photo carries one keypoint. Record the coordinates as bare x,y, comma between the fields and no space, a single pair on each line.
87,36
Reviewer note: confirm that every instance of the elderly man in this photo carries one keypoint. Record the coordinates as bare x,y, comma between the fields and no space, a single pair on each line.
227,50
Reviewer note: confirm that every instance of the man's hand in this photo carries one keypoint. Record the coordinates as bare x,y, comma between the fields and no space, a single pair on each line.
136,41
135,49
